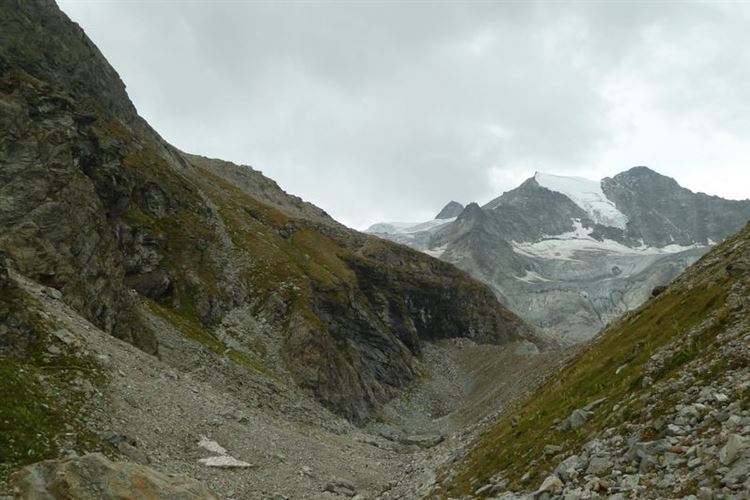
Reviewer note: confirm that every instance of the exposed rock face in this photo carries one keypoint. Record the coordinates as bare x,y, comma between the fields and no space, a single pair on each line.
94,476
452,209
95,204
661,212
59,185
569,255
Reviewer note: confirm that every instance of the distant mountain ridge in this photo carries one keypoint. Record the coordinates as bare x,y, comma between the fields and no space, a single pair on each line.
452,209
569,254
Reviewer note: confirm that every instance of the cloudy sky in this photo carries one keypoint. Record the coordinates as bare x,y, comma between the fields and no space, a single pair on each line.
385,111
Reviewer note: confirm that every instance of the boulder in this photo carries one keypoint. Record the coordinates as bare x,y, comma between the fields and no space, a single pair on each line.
729,452
550,485
599,464
526,348
739,473
568,468
577,419
737,268
339,486
95,476
423,441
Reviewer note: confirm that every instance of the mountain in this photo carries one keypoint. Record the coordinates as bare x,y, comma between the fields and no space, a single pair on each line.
164,316
569,254
655,407
451,210
133,232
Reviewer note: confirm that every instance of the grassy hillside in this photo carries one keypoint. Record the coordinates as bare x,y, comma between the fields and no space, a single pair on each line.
46,385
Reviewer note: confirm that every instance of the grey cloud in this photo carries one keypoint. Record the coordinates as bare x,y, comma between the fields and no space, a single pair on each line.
385,110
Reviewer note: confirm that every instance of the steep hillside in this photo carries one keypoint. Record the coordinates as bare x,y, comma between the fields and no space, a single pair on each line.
95,204
568,254
656,406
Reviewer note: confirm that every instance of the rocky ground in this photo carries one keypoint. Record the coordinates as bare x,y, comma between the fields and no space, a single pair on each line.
696,445
251,435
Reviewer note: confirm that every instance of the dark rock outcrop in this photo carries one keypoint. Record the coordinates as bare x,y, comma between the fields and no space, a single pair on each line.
661,212
531,212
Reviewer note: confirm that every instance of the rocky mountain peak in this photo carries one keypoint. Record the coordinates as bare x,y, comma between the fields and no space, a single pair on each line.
604,244
472,213
452,209
642,178
47,45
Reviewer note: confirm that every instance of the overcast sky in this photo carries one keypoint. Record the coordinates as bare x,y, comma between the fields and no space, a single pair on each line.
385,111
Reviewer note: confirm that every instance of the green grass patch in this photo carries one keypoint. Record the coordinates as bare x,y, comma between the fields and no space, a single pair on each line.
250,363
590,376
191,328
42,406
195,331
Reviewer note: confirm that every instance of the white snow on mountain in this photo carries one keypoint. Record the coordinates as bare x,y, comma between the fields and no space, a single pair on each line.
586,194
565,246
407,227
532,277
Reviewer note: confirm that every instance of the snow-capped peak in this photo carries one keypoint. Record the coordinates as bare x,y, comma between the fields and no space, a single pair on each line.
588,195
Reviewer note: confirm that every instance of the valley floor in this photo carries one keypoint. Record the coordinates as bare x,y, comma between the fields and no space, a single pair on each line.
156,411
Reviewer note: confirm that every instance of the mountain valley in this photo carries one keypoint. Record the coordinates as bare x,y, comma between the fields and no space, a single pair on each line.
174,326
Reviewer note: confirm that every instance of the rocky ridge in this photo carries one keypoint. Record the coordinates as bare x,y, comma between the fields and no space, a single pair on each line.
570,255
452,209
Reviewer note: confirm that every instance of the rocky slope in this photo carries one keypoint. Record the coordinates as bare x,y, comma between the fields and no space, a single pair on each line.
244,429
569,255
657,406
94,204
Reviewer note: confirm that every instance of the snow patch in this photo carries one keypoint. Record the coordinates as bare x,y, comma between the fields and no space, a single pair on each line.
437,251
586,194
222,459
565,246
532,277
211,446
408,227
224,462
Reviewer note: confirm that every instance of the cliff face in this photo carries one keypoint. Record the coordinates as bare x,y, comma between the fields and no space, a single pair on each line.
95,204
